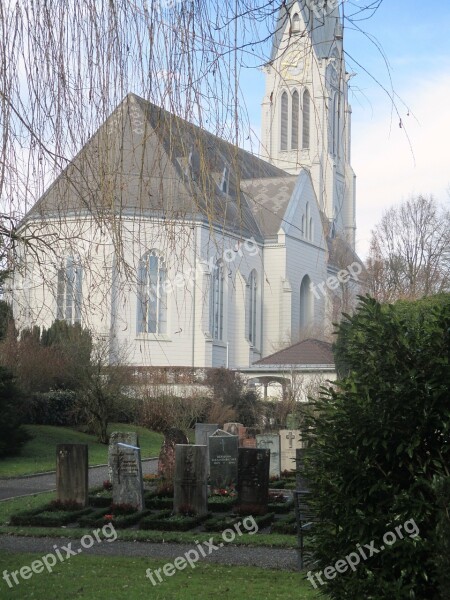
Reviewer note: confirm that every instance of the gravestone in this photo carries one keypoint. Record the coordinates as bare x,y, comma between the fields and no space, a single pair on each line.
125,467
232,428
253,480
271,441
290,440
72,473
202,433
190,482
242,433
249,442
166,461
223,459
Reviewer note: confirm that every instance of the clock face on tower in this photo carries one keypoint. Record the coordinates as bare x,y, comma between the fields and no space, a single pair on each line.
292,65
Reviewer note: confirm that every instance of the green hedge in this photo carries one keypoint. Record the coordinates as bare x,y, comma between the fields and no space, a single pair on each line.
377,443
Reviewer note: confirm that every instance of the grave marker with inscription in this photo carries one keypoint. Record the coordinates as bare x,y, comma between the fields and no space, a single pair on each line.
72,473
191,489
271,441
125,469
223,459
253,480
290,440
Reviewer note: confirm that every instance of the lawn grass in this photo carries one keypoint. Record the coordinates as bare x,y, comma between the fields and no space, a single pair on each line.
39,454
114,578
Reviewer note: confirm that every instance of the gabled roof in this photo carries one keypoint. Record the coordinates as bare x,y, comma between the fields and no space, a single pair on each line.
144,159
306,352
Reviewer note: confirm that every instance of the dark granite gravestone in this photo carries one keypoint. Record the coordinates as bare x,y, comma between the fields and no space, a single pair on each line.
190,482
125,469
72,473
301,483
271,441
202,433
166,461
253,480
223,459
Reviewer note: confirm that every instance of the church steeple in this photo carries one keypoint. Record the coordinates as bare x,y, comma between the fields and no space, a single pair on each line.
305,111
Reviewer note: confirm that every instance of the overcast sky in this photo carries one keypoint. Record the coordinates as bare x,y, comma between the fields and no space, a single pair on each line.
390,162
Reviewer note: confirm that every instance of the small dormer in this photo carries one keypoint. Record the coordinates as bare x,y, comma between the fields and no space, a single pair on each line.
225,181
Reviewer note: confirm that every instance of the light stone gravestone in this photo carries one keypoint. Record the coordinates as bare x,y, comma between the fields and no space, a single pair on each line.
190,482
253,480
290,440
72,473
271,441
126,469
202,433
223,459
232,428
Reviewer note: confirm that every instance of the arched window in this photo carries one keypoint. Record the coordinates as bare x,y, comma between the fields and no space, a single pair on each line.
306,120
294,121
310,229
252,306
306,303
295,23
284,121
69,292
152,298
216,303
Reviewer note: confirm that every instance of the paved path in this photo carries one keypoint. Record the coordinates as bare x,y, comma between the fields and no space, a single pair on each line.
273,558
26,486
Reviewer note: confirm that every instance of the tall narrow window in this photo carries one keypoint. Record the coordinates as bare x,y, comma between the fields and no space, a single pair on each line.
306,303
252,306
336,125
216,303
306,120
152,299
69,292
284,121
296,23
294,122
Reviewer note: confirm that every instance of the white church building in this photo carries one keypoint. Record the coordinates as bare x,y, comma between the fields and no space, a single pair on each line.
182,250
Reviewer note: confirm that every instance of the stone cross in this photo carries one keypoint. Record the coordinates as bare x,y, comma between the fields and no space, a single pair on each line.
290,436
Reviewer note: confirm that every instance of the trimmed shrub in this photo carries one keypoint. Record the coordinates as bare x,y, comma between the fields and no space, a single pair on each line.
56,408
379,439
12,435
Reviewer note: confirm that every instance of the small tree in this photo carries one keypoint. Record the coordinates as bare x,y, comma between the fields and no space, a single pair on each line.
228,388
102,388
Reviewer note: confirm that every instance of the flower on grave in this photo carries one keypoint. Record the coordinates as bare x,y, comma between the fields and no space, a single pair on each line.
108,517
107,485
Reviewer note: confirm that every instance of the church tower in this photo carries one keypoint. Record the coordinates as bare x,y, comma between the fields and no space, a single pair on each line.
306,117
